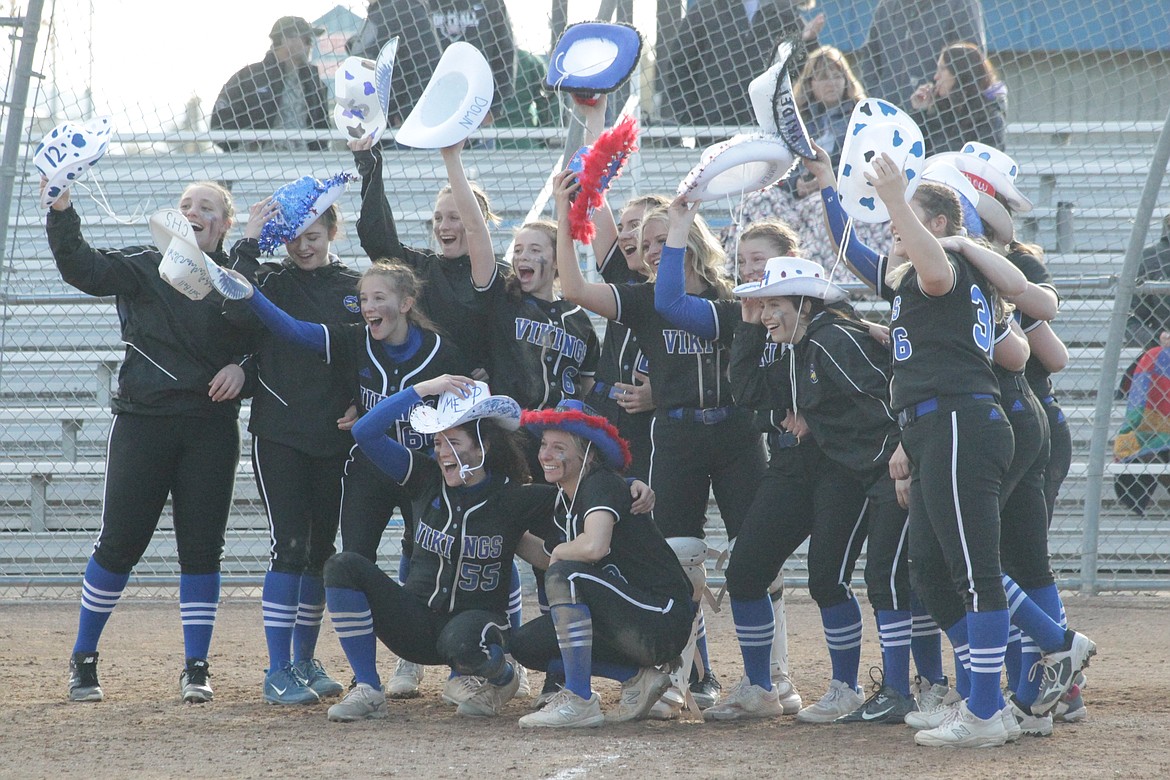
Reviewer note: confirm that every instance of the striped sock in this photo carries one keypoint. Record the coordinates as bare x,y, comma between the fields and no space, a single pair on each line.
100,591
1028,686
894,631
574,627
957,634
755,628
987,636
354,625
1031,619
701,645
1011,659
926,646
278,607
504,672
310,613
515,600
842,624
198,604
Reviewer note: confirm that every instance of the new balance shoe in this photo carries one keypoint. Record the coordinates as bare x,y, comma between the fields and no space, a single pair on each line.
937,708
839,700
639,694
1071,708
1010,724
403,684
83,678
286,686
1060,669
746,701
929,696
566,710
193,681
363,702
318,679
461,687
1030,725
487,701
706,691
964,728
886,705
786,693
553,683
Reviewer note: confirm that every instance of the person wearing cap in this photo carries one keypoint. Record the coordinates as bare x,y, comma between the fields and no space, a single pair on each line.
620,604
281,92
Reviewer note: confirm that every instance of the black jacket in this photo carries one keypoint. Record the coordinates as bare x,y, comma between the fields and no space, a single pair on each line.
250,100
174,346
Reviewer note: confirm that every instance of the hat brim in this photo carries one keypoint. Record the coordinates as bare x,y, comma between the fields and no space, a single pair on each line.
982,169
455,102
499,408
800,286
593,58
184,266
67,152
743,164
384,74
598,430
901,141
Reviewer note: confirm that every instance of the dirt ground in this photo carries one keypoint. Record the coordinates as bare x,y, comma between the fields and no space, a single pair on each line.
142,730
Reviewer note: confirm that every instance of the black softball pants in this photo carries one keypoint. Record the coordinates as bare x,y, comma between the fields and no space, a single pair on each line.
1060,457
1023,535
368,500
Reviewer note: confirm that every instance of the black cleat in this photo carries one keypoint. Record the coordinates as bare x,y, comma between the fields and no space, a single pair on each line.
83,678
193,683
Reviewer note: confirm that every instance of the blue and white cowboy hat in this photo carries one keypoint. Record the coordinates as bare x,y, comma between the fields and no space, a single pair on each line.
593,58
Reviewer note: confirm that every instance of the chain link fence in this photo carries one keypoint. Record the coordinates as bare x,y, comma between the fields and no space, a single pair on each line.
1083,114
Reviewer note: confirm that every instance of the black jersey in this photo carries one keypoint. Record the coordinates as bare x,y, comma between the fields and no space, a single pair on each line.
541,350
1034,271
637,552
759,374
174,346
689,371
465,537
842,390
941,345
449,296
620,354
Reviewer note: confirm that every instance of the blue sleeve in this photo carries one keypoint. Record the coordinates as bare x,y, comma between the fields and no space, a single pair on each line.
309,335
689,312
862,258
370,433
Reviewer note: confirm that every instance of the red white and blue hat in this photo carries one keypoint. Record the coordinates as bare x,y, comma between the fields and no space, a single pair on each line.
574,417
593,58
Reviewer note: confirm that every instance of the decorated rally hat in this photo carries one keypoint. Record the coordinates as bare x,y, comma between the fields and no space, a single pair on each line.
384,74
596,167
875,128
774,105
68,151
301,203
453,409
785,276
455,102
991,171
186,267
992,216
593,57
572,416
739,165
358,113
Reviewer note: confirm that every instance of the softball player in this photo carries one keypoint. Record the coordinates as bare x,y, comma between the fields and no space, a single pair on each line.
175,431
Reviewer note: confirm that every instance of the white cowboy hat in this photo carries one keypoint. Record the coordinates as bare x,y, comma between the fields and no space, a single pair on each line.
186,267
68,151
593,57
875,128
785,276
991,171
301,203
455,102
994,216
739,165
384,74
358,113
453,409
775,106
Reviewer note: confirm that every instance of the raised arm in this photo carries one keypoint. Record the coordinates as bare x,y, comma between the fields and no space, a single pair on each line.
603,221
479,238
689,312
90,270
1008,280
598,298
936,276
377,232
863,261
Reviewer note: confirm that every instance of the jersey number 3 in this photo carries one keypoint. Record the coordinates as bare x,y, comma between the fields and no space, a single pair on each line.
981,331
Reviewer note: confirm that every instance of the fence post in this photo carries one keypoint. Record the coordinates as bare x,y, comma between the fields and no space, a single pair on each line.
1112,356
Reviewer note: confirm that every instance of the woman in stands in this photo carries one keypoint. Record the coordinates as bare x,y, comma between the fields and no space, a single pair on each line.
175,431
966,102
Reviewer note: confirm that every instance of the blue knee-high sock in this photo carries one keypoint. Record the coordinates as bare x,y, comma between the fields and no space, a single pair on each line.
541,594
497,670
957,634
755,627
894,630
1027,686
198,603
926,646
278,607
842,624
515,600
574,627
610,671
987,637
403,568
701,646
354,625
1031,619
310,613
100,591
1011,658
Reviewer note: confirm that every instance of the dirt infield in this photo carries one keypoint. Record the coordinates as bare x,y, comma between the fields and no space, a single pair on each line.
142,730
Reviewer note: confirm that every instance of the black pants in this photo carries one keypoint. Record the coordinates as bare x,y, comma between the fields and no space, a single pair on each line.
887,554
689,460
1023,536
191,459
412,630
1060,457
958,455
630,626
302,497
368,500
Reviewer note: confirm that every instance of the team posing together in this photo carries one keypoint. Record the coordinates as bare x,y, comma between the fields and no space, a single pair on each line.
937,439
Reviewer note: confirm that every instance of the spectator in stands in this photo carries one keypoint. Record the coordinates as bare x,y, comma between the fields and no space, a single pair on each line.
418,49
967,101
1148,312
1144,437
718,48
281,92
905,36
484,24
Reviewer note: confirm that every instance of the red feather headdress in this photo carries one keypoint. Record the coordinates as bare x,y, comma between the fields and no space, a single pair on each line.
602,164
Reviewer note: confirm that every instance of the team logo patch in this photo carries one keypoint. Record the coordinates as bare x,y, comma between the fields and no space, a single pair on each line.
812,373
351,304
